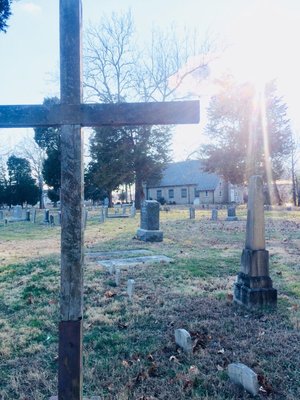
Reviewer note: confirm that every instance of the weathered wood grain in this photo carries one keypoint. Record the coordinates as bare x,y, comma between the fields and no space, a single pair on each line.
174,112
71,222
70,370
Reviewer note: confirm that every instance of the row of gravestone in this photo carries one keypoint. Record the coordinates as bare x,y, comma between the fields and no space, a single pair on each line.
254,285
231,214
121,211
149,228
18,214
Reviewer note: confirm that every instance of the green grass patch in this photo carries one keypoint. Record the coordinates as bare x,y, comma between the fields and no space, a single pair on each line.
209,265
129,347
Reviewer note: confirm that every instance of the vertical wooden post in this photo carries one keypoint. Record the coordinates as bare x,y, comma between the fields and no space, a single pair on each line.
71,303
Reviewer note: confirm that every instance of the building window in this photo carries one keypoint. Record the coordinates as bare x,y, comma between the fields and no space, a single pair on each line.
197,192
171,193
206,193
220,193
184,193
158,194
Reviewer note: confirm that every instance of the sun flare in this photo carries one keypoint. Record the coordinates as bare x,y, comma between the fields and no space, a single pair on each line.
260,42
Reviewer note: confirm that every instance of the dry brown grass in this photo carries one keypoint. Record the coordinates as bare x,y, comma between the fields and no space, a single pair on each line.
129,349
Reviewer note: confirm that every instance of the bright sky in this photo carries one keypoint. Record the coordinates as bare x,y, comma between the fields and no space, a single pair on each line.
260,37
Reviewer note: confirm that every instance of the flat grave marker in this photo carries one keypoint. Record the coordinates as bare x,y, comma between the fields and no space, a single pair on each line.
131,261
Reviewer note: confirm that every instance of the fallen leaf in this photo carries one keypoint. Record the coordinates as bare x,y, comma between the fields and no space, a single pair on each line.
194,370
152,371
141,376
264,385
121,325
200,340
136,357
174,359
219,368
187,383
109,294
229,297
221,351
125,363
30,299
110,387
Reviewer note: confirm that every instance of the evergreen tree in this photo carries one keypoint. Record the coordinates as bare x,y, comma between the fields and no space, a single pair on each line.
21,187
3,185
126,156
48,138
109,167
5,13
250,134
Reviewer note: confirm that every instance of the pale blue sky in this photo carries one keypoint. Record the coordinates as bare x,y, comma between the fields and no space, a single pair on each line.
261,38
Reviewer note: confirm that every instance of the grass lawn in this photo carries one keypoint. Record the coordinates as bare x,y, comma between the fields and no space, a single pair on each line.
129,347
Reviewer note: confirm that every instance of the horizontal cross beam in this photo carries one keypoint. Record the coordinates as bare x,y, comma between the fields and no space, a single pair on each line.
174,112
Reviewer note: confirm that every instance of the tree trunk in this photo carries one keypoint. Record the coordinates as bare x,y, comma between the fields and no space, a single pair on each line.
139,193
267,195
41,201
294,191
276,193
297,188
110,204
294,178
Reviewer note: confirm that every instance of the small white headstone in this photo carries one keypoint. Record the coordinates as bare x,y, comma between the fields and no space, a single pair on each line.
59,217
46,216
244,376
17,212
117,276
192,213
132,210
130,288
33,215
214,214
111,269
183,339
102,215
85,217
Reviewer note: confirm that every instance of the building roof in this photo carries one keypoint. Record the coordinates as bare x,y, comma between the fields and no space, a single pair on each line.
188,173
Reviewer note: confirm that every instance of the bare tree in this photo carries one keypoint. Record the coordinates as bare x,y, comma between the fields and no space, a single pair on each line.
294,159
169,60
29,149
110,58
117,70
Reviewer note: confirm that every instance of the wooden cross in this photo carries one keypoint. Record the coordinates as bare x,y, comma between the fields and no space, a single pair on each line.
71,114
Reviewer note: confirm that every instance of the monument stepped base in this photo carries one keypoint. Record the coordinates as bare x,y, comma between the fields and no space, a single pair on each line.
232,219
149,235
254,297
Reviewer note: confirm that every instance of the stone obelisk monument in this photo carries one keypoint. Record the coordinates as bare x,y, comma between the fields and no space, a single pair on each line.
254,285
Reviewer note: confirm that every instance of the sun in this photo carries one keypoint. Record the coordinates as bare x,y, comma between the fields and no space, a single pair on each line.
258,44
